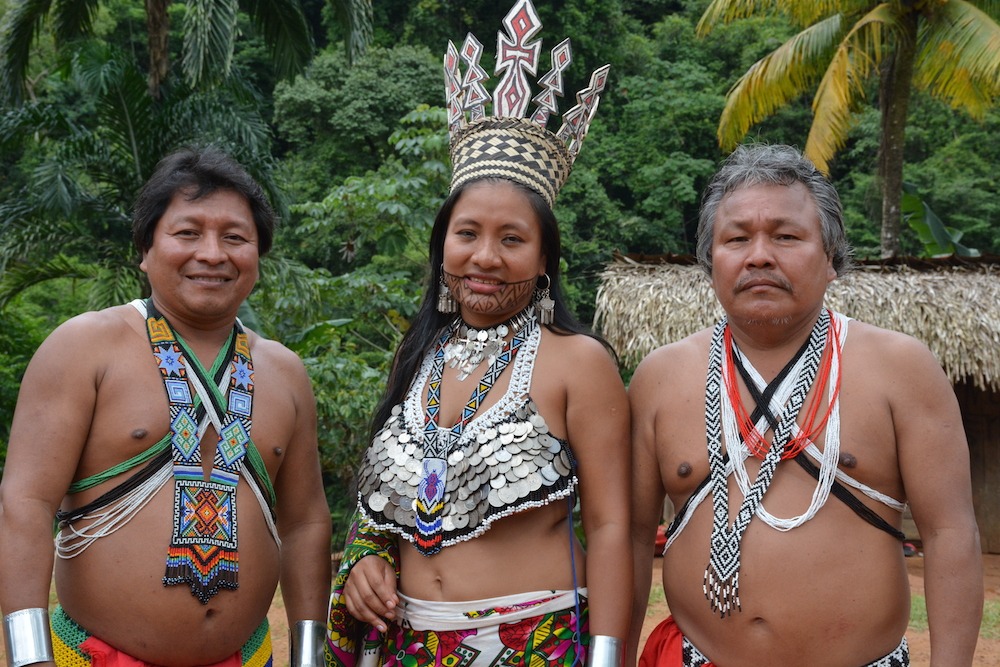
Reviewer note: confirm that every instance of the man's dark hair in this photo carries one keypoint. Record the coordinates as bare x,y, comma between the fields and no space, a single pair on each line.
198,172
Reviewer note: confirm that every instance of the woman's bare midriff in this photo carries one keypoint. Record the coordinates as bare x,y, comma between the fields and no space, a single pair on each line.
528,551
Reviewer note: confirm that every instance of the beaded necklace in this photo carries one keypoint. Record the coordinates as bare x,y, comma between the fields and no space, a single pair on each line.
721,581
749,433
203,551
438,443
827,472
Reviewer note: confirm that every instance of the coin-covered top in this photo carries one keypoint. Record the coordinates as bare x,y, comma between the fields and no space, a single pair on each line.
505,461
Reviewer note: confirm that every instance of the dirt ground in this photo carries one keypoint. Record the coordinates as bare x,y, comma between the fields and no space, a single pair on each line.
987,650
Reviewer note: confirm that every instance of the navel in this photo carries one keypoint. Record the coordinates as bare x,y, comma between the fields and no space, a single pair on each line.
140,433
848,461
684,469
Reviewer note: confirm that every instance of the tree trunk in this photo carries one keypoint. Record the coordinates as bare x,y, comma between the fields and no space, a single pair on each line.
158,27
894,99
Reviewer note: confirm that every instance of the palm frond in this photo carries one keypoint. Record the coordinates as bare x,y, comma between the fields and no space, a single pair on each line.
356,18
807,13
55,189
72,19
990,7
113,285
125,109
959,57
842,87
775,80
209,38
21,25
21,233
285,31
20,276
20,123
727,11
800,13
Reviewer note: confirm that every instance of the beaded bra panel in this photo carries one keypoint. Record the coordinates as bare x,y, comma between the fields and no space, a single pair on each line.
505,461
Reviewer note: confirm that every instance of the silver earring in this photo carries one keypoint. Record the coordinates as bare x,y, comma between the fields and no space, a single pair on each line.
544,304
446,302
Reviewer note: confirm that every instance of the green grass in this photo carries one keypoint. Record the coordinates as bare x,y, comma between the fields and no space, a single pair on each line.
918,614
989,629
656,596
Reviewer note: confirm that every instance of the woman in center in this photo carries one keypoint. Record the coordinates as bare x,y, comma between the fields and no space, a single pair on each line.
499,414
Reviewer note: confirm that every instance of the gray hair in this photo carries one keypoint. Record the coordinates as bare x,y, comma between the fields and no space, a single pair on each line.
763,164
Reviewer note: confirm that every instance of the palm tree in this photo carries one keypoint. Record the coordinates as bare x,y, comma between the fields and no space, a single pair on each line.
210,31
950,48
71,218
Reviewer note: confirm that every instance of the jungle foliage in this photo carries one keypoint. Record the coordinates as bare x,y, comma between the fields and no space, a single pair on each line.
353,149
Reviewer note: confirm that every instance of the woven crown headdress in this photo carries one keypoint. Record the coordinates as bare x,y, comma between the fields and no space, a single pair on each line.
509,144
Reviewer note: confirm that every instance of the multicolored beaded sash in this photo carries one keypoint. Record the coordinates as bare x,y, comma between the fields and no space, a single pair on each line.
203,550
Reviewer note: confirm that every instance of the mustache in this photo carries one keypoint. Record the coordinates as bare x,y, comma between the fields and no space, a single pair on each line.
765,276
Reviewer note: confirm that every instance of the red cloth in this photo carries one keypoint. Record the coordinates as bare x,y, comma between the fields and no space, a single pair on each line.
103,654
665,647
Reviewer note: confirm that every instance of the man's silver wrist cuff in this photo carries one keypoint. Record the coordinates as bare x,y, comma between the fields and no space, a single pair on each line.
28,637
605,651
307,642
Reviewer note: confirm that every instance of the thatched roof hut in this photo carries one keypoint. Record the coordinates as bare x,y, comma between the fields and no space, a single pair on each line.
954,308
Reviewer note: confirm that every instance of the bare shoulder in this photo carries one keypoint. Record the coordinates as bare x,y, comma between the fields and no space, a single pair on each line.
97,332
114,321
891,350
583,353
688,356
273,352
277,363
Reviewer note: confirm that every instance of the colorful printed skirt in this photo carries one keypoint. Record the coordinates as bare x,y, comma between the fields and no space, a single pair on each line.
70,644
530,629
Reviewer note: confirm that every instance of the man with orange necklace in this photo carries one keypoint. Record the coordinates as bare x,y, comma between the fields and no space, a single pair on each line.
789,438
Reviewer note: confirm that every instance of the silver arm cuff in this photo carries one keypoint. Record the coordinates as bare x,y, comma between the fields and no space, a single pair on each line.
28,637
307,642
605,651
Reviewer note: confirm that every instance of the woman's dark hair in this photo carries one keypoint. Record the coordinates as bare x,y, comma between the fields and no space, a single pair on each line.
428,322
198,172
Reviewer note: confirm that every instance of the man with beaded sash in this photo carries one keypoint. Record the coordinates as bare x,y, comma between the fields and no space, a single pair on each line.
169,547
773,571
498,413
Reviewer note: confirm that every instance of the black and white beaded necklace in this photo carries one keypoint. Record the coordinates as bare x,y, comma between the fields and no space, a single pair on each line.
721,582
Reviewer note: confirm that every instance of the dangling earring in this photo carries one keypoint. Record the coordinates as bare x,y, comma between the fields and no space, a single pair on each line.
446,302
544,303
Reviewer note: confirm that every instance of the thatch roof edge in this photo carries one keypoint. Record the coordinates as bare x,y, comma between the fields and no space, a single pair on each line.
954,308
